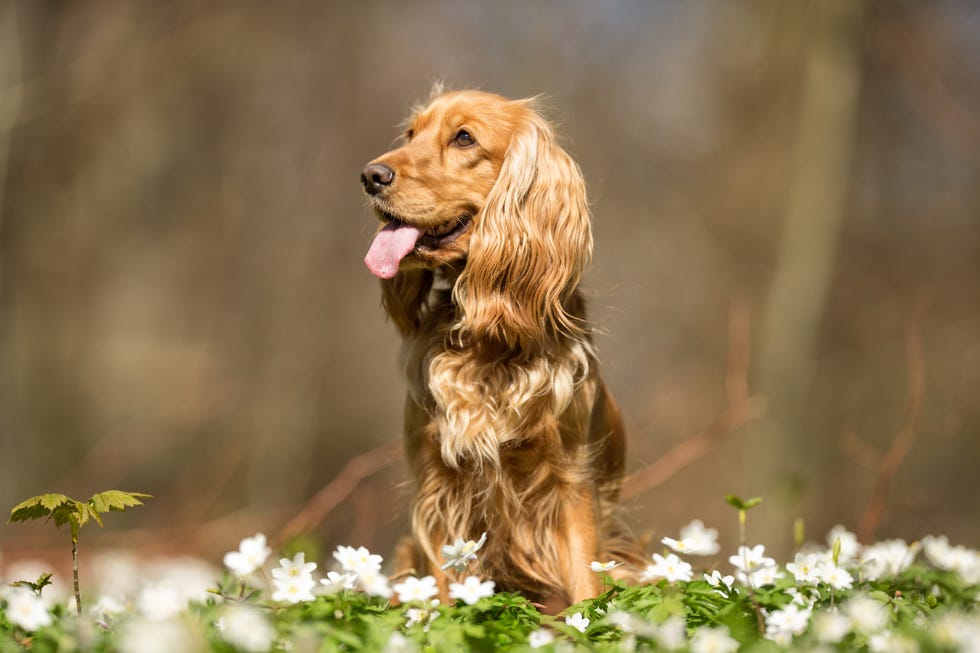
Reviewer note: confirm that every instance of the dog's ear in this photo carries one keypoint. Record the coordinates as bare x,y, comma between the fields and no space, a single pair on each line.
403,296
530,245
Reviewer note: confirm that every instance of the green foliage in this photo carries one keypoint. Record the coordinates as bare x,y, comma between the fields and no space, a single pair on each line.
353,621
742,504
923,608
43,581
65,510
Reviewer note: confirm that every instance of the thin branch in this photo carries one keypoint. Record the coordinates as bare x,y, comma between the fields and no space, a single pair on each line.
740,409
336,491
861,452
888,465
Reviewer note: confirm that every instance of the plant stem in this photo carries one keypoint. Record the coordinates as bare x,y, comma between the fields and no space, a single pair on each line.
74,566
741,527
760,622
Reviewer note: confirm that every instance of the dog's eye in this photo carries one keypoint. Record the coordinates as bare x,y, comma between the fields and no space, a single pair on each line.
463,139
409,133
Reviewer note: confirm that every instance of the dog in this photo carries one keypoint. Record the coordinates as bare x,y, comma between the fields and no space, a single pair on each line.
509,429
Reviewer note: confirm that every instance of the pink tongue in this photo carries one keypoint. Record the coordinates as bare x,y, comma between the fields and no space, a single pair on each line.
390,246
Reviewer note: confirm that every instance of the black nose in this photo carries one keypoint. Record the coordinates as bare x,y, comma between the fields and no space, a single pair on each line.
376,177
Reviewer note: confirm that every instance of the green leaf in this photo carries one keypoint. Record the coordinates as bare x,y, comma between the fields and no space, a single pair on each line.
116,500
86,512
63,509
43,581
36,507
69,513
60,508
742,504
474,631
342,636
878,595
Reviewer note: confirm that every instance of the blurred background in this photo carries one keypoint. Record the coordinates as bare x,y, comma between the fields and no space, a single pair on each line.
786,202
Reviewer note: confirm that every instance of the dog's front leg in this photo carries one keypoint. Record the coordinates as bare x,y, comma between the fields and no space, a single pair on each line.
580,544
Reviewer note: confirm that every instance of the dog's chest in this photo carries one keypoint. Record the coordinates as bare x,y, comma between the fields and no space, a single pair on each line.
480,407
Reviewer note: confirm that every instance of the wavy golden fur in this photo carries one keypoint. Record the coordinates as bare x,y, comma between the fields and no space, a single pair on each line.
509,429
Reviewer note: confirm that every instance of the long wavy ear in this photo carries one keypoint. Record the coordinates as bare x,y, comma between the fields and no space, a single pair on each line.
403,298
530,244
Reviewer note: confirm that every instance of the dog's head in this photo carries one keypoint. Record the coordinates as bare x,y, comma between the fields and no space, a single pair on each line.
480,185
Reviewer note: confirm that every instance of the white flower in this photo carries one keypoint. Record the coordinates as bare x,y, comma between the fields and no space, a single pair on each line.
374,583
247,628
190,577
160,601
782,625
293,579
937,549
471,590
357,560
805,568
416,589
423,616
600,567
781,637
964,561
154,636
672,568
836,577
830,627
27,610
251,554
459,554
540,638
295,568
749,560
867,615
106,608
958,631
335,581
716,579
119,573
753,567
695,540
672,634
578,621
713,640
889,642
416,616
888,558
294,589
766,576
398,643
804,599
623,620
850,548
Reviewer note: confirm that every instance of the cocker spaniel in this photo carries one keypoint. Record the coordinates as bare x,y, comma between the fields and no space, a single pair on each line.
509,428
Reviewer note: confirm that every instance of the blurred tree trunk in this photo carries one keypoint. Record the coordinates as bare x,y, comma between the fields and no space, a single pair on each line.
815,209
10,100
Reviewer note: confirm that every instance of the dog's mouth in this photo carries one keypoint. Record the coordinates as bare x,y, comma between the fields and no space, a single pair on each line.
397,239
443,234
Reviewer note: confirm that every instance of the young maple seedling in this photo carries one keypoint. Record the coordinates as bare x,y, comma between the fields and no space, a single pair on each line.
65,510
743,506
